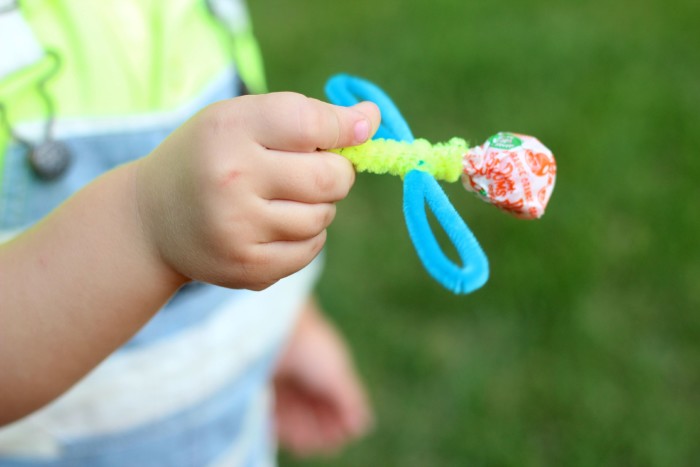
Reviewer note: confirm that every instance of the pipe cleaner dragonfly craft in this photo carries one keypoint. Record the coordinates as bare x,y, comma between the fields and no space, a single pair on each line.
511,171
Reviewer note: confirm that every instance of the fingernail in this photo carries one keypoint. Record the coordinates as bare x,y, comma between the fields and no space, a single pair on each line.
361,131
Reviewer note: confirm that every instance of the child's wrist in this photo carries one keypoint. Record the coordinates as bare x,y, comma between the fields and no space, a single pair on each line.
147,238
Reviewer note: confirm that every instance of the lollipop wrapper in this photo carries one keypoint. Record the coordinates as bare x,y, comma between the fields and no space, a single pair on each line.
513,172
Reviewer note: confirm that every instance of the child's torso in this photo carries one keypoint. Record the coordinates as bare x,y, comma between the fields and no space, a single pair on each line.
187,390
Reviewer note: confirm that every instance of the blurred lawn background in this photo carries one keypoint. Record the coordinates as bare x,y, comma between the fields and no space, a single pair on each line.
584,347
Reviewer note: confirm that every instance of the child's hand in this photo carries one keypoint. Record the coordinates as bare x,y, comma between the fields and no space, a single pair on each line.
239,196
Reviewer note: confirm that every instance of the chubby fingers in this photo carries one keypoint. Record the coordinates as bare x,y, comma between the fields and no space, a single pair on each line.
293,122
288,221
317,177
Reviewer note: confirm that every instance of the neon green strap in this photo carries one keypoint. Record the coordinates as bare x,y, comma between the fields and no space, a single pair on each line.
249,62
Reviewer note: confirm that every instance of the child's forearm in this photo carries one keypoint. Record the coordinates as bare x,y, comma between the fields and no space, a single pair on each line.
72,290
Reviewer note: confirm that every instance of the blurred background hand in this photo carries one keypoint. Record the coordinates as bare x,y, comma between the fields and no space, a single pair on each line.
320,401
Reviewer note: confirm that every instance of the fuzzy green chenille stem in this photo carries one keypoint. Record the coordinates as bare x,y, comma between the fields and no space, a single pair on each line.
380,156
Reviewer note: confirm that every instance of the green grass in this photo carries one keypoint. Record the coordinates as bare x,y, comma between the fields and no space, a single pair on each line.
584,347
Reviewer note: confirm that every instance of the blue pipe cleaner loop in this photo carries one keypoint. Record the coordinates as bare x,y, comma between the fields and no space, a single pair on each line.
420,188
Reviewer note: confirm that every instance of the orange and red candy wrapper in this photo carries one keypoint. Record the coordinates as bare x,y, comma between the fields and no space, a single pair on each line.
513,172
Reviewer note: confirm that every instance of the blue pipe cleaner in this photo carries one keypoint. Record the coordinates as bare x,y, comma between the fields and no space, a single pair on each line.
420,188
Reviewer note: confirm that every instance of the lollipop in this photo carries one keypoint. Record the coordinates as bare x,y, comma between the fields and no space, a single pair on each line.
514,172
